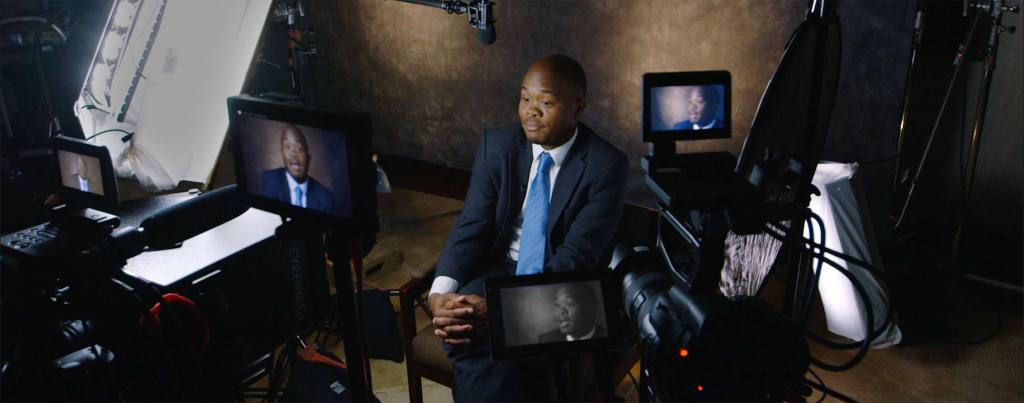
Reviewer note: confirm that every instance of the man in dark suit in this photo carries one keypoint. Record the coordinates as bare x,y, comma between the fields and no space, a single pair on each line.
576,311
80,176
702,106
292,184
545,195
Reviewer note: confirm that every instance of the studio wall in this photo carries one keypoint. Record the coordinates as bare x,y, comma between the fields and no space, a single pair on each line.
432,89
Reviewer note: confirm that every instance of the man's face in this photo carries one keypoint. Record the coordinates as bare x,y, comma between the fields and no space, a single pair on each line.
549,108
573,317
698,106
293,151
80,167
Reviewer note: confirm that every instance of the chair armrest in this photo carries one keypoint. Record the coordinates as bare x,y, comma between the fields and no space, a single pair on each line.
415,287
407,295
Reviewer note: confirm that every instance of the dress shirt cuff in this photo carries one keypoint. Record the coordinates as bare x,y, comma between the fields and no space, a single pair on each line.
443,285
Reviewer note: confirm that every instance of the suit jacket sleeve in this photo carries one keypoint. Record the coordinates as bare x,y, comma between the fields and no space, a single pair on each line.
591,233
475,230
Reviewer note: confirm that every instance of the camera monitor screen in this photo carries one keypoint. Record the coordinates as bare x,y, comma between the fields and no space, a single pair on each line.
550,314
300,162
687,105
80,172
86,173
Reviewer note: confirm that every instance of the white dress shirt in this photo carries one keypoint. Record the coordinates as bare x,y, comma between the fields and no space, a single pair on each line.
587,336
445,284
707,126
83,183
292,184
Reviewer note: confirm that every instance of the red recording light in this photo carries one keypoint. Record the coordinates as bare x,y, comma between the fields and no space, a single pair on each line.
684,352
700,388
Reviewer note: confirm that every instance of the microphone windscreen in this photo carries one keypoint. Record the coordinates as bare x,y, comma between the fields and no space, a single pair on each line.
193,217
487,36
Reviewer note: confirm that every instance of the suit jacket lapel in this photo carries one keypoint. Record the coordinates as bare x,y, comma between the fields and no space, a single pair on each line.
518,168
523,158
568,176
313,194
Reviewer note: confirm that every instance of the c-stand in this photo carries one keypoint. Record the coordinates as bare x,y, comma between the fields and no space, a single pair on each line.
995,10
342,248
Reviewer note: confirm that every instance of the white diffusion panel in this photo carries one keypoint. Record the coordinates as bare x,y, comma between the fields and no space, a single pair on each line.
200,54
848,231
200,57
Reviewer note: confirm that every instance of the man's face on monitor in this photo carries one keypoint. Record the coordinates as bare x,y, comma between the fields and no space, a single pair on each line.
548,108
573,317
697,105
80,167
294,152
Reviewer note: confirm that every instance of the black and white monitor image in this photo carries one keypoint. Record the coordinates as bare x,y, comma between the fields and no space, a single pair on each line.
687,107
302,166
80,172
553,313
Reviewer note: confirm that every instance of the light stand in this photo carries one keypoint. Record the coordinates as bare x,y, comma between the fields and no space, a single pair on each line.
995,9
343,248
907,88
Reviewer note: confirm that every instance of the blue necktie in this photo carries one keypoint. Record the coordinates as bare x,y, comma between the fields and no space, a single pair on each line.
298,196
535,221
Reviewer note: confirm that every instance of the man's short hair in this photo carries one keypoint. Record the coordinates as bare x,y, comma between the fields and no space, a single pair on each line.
569,70
582,293
302,136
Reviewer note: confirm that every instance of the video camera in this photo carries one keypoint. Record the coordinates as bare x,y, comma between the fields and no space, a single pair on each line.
698,344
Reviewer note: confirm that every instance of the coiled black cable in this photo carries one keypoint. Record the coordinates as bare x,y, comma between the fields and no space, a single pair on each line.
865,344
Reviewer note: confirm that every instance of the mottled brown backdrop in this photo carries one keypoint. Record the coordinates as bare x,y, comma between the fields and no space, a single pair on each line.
431,88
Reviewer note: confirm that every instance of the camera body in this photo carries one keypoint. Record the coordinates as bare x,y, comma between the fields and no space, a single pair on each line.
64,307
705,346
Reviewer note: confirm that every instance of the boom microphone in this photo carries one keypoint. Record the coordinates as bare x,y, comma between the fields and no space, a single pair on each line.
481,14
187,219
487,34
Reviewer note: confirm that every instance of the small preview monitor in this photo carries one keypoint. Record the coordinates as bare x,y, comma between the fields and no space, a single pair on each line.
301,162
687,106
551,314
86,173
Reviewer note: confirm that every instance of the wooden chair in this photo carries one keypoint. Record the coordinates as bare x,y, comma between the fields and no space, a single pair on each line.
425,358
